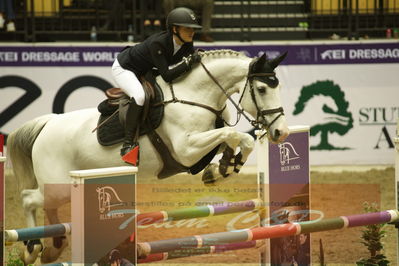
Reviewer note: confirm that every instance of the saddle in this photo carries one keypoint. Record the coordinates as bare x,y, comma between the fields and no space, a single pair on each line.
111,124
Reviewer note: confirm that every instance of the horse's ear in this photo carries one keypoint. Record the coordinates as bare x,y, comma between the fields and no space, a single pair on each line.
259,63
276,61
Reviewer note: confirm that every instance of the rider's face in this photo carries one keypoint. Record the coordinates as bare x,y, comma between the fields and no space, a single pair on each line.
186,33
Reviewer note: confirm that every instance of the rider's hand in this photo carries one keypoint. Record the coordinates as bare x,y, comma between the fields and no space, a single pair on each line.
193,59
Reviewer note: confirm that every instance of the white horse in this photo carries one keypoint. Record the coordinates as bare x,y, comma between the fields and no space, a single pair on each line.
44,150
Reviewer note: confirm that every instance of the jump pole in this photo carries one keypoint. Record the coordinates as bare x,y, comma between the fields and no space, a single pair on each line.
2,209
183,253
25,234
224,208
199,211
396,140
283,180
267,232
95,193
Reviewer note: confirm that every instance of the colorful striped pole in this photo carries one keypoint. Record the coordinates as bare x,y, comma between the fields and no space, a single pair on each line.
396,140
25,234
201,211
2,199
142,219
275,231
182,253
59,264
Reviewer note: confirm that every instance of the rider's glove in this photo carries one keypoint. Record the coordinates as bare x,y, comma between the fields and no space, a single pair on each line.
193,59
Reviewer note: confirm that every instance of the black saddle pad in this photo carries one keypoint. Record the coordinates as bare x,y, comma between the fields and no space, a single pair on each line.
112,131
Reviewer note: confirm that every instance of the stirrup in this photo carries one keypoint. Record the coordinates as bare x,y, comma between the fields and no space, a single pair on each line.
131,155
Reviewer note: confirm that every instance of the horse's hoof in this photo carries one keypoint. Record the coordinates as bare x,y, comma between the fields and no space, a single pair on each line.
31,252
208,176
51,254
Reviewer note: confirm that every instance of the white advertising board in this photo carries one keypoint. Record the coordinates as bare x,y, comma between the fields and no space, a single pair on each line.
347,93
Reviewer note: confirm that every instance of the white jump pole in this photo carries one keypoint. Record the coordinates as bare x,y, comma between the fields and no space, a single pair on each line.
396,140
103,205
2,207
285,168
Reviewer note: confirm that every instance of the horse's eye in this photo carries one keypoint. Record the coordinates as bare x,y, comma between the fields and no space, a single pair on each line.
262,90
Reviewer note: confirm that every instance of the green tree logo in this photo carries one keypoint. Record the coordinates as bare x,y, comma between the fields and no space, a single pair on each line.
329,112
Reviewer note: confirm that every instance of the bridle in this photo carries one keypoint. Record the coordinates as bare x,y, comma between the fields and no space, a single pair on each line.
240,111
262,113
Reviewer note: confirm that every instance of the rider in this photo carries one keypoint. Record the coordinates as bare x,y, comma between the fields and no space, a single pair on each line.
171,52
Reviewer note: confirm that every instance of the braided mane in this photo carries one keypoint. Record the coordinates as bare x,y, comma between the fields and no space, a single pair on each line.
223,53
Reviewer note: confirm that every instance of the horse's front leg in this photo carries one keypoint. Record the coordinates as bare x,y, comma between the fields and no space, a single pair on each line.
192,146
199,144
52,252
230,163
246,147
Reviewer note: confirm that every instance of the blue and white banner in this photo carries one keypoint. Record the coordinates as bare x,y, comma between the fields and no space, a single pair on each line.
346,92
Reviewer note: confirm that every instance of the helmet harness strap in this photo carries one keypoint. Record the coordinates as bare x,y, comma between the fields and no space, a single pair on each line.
178,34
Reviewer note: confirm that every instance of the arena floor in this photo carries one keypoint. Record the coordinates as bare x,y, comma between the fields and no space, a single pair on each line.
336,190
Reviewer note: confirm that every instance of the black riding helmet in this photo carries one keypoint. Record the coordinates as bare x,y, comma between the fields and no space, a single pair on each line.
182,16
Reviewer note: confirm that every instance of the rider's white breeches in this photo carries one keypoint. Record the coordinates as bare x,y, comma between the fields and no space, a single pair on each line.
128,82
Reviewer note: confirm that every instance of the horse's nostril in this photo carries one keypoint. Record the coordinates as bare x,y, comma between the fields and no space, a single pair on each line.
277,134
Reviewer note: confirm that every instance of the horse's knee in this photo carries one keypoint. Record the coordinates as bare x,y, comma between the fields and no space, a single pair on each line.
247,142
232,137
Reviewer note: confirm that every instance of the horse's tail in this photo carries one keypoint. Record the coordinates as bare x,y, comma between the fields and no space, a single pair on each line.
19,148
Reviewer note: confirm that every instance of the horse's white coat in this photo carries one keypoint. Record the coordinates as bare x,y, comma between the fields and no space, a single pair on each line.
66,142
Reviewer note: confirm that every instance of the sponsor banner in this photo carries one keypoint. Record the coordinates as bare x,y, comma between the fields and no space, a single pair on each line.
299,54
352,110
58,55
347,93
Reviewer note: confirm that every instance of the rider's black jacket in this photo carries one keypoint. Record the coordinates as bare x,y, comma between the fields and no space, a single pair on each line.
156,51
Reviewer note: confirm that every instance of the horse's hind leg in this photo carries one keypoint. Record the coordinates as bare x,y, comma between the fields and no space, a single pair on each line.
51,253
31,200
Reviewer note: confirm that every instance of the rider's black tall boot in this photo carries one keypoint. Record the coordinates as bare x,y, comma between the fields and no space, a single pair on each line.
133,116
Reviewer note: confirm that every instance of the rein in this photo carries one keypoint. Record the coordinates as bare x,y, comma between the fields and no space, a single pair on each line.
174,99
240,111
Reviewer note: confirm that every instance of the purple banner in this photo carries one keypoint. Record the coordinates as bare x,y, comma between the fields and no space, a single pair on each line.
359,53
289,196
289,161
58,55
303,54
